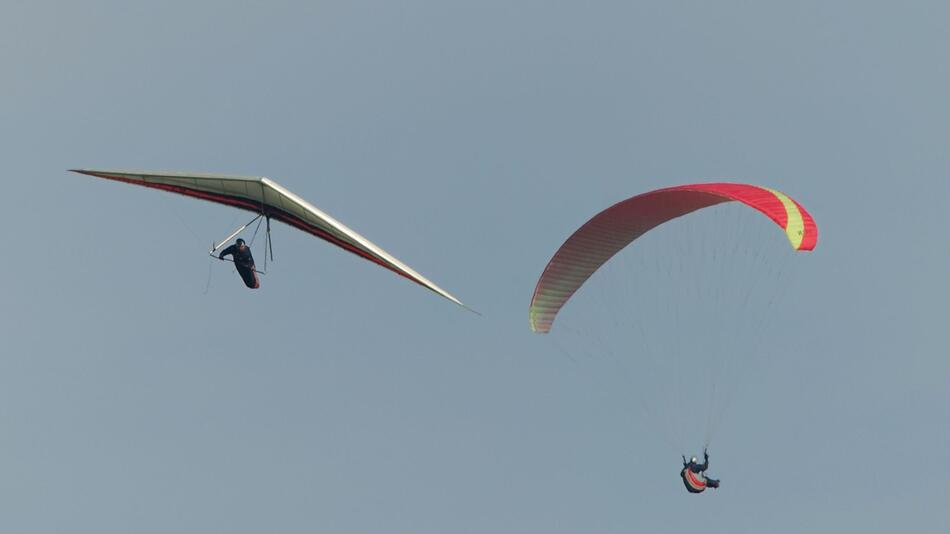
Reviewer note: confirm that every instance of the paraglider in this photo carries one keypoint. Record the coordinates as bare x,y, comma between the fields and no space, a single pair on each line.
269,200
697,301
694,475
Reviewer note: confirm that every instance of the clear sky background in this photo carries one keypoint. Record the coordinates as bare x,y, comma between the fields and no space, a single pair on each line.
469,139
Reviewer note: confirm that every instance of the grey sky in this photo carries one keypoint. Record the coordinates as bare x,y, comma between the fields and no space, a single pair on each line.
468,139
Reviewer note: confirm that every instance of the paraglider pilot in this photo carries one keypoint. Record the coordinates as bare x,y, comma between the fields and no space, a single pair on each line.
243,261
694,475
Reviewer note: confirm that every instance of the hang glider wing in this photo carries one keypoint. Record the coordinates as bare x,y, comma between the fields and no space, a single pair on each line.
265,196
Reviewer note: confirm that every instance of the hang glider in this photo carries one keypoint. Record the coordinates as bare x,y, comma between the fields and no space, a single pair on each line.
270,200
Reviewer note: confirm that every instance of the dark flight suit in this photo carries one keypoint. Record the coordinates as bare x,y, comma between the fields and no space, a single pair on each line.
244,262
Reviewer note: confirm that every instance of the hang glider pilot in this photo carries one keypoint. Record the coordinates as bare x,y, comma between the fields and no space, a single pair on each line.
694,475
243,262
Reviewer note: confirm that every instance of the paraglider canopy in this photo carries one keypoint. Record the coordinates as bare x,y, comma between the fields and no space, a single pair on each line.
616,227
268,198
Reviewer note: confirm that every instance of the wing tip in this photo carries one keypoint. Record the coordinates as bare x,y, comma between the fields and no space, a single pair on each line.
536,326
448,296
473,310
89,172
